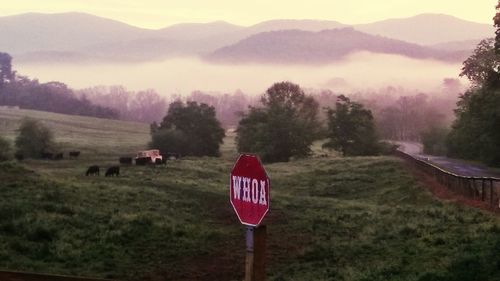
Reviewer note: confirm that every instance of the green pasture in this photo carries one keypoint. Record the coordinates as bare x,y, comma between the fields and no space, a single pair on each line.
331,218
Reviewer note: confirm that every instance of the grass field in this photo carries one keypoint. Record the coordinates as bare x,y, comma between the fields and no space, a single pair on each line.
331,218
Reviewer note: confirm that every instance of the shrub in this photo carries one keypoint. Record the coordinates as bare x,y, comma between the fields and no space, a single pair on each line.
387,148
34,138
170,141
189,129
434,141
5,150
284,127
351,129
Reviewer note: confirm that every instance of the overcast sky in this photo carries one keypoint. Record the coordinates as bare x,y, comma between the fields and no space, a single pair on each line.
161,13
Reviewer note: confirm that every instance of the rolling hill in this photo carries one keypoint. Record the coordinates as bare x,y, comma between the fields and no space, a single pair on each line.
288,24
457,45
429,29
88,134
62,32
74,37
330,216
196,31
296,46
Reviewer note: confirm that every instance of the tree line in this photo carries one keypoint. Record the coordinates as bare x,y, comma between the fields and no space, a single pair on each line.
282,126
149,106
475,134
18,90
287,119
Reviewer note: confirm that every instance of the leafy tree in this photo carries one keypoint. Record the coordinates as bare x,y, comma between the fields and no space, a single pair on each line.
34,138
171,140
351,129
496,24
475,134
482,65
6,73
5,150
285,126
434,140
18,90
189,129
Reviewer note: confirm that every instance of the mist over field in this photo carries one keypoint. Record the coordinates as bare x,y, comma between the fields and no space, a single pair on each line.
357,71
365,137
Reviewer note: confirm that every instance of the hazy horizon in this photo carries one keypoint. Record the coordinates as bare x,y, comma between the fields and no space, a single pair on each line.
360,70
167,25
182,76
154,14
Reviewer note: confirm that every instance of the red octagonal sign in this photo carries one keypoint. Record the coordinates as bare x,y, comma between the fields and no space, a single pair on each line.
249,190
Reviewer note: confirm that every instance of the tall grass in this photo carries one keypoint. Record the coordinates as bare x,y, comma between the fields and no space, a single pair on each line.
331,218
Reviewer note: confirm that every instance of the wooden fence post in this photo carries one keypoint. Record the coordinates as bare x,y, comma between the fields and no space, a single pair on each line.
255,264
491,193
482,191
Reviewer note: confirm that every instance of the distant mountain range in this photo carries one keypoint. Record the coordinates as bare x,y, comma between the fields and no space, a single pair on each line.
82,37
429,29
297,46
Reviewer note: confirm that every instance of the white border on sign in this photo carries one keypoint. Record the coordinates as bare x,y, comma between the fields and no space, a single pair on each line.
268,193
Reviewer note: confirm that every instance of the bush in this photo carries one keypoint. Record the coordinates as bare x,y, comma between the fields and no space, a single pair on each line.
351,129
170,141
34,138
434,141
284,127
189,129
387,148
5,150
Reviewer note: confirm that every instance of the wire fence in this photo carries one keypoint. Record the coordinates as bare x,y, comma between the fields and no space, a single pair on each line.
485,189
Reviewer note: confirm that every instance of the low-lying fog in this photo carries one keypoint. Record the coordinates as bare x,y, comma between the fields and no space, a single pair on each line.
184,75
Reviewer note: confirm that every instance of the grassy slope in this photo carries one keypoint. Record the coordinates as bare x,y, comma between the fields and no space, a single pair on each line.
93,135
331,219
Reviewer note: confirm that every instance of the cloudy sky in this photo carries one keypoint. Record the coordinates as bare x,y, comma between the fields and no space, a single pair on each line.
161,13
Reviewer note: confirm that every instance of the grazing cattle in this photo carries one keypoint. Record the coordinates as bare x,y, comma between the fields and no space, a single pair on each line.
172,155
92,171
126,160
143,161
162,161
113,171
74,154
47,155
59,156
19,156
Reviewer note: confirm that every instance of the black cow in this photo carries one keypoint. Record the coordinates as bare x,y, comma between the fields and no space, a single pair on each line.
113,171
92,170
170,155
47,155
162,161
74,154
143,161
19,156
59,156
126,160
